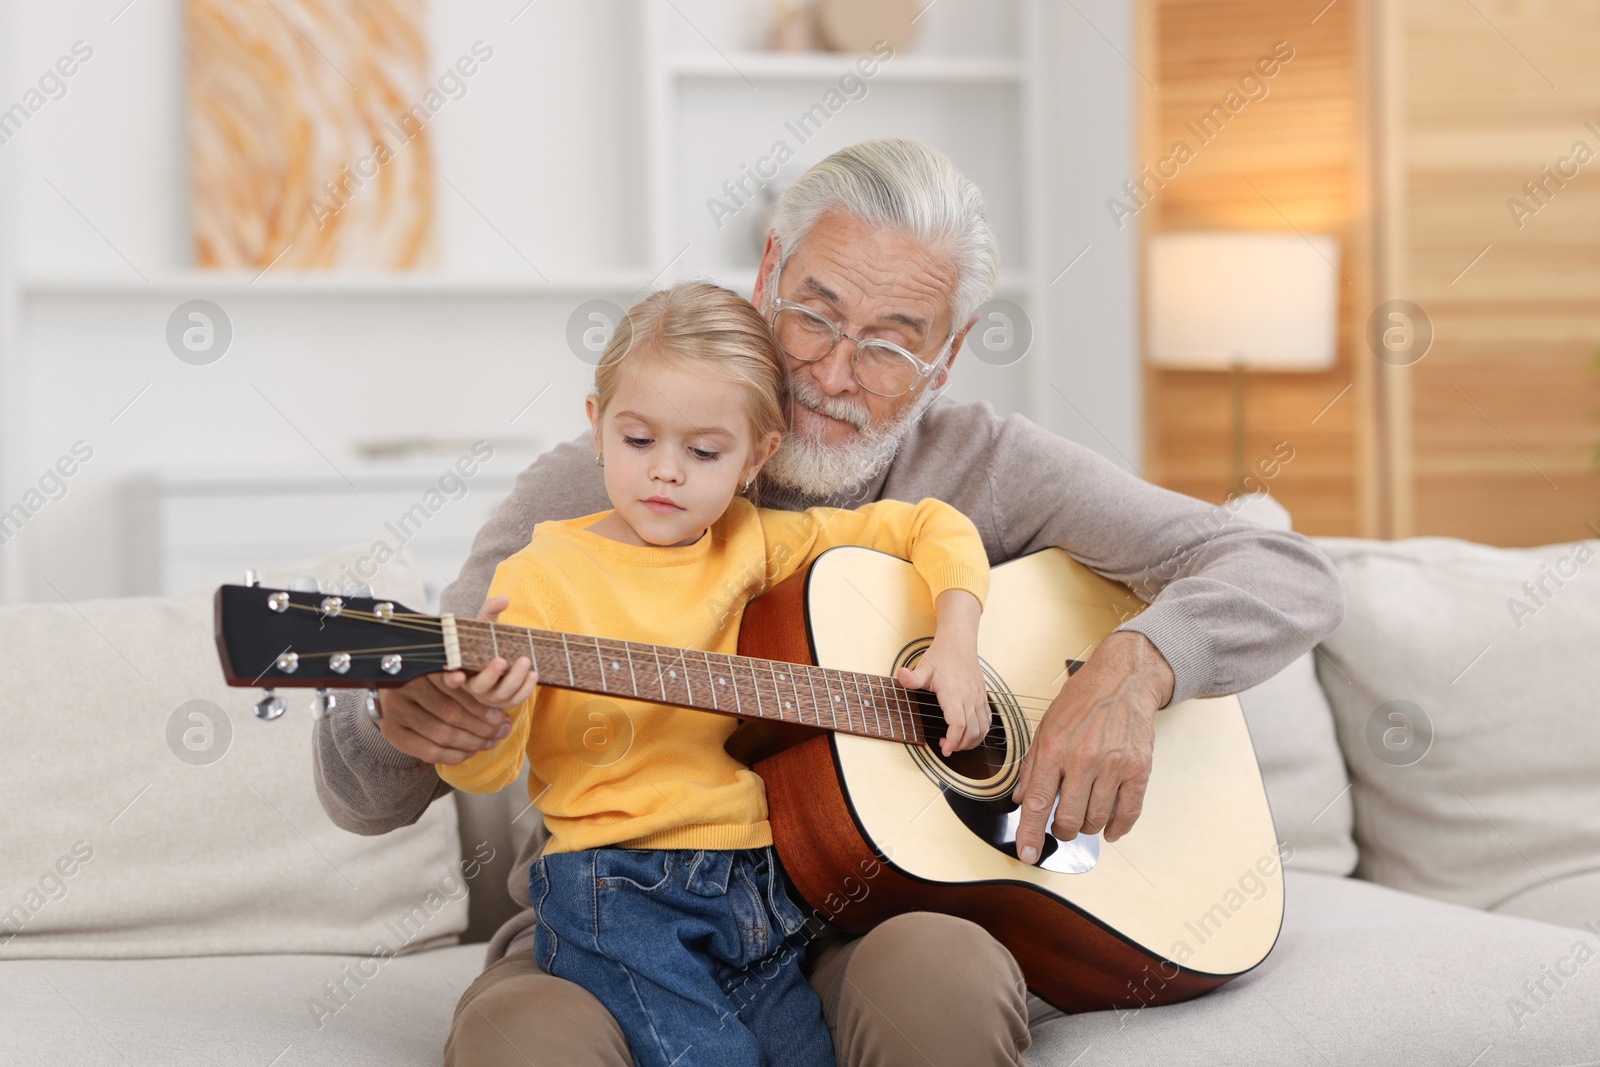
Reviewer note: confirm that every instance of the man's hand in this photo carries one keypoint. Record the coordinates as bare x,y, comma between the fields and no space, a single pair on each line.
445,718
1094,746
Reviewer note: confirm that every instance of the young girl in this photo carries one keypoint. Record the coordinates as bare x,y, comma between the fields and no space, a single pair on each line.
659,890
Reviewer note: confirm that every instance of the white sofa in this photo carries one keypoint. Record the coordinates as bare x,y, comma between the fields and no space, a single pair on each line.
172,893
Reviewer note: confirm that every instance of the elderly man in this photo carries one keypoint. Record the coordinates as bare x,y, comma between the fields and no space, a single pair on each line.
885,240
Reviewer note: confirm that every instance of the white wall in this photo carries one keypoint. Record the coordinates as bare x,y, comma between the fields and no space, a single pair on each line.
1090,101
545,122
545,152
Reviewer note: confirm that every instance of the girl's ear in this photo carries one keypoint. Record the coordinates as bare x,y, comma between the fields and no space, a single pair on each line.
594,420
764,451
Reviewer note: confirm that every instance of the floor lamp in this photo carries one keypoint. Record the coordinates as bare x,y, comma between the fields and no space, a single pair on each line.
1235,301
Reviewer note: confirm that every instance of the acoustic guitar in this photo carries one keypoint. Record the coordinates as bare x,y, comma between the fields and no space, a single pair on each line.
869,819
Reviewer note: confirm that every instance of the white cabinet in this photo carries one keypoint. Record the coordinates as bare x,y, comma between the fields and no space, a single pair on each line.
196,533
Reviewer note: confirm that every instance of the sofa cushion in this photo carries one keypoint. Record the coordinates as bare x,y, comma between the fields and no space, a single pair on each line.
250,1011
1463,683
1308,790
154,815
1571,900
1361,974
1367,975
1291,726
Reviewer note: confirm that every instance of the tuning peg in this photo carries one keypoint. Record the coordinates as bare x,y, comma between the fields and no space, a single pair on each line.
270,706
252,578
355,587
321,705
306,583
372,709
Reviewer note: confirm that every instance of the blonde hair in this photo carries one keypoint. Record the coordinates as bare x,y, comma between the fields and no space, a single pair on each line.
708,330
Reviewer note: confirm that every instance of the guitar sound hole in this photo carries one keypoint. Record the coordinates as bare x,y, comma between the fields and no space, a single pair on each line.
979,764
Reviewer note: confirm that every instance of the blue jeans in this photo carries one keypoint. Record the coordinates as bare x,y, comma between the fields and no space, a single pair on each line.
695,953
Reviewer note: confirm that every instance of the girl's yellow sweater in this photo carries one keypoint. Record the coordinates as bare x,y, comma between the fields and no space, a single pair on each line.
607,771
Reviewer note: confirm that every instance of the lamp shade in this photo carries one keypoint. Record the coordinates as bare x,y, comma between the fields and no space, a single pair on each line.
1266,301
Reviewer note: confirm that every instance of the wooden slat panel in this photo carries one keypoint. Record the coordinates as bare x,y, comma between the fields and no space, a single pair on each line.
1503,409
1288,161
1520,503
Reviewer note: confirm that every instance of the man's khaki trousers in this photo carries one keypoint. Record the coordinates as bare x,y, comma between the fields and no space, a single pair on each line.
922,989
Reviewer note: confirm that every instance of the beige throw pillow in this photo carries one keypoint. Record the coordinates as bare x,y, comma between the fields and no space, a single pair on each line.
147,812
1291,727
1464,684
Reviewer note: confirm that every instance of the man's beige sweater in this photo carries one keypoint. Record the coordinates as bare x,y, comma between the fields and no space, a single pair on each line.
1231,603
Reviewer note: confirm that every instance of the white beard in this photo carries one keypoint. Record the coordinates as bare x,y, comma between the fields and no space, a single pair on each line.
808,466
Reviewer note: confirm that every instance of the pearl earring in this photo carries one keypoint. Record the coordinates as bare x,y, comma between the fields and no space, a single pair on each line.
598,462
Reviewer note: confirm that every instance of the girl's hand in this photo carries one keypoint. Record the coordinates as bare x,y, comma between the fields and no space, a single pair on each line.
499,684
450,717
950,670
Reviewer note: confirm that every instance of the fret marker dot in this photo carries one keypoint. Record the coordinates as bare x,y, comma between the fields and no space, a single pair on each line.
722,681
672,674
783,677
836,700
787,704
615,665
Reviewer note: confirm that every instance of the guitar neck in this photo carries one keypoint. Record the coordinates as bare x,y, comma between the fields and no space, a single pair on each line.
798,693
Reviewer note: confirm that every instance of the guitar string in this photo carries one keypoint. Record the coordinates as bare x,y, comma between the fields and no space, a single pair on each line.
364,653
431,625
1028,701
996,731
879,682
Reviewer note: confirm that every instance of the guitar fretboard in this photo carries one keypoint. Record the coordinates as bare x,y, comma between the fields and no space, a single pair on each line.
846,701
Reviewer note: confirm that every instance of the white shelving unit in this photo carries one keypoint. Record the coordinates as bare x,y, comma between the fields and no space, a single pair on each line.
714,104
824,67
689,97
184,284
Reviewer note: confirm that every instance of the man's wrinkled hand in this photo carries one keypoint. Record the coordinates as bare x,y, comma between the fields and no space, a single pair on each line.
1094,745
448,717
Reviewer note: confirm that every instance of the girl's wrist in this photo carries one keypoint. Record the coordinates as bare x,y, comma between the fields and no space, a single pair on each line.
959,638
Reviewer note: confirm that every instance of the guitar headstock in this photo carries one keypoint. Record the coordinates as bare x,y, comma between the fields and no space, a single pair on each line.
295,639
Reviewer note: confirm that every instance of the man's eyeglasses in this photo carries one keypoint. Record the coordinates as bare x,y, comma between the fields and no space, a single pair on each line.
882,368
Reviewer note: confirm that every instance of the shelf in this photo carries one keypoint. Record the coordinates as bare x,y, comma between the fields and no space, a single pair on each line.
619,283
1010,284
830,66
239,283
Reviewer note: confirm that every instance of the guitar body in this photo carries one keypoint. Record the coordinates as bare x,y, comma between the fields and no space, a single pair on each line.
868,829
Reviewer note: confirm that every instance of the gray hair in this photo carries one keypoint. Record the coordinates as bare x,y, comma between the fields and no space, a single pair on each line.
903,185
